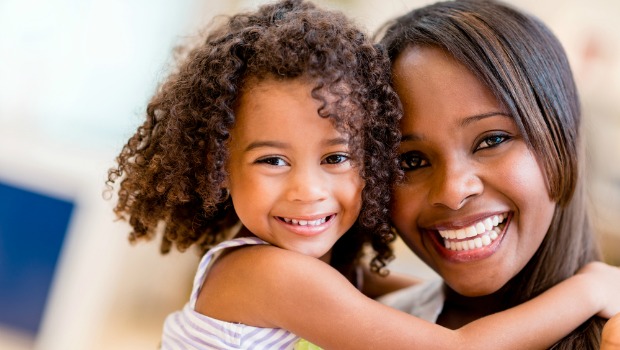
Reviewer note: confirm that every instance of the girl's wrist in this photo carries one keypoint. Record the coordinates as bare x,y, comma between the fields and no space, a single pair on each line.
591,282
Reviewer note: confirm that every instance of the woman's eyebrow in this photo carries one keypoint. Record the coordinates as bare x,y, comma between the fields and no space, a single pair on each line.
474,118
462,123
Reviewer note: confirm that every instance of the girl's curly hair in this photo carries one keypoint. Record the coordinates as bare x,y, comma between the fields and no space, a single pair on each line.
172,170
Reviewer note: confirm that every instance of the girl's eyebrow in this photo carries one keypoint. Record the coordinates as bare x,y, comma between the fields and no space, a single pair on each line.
462,123
337,141
278,144
259,144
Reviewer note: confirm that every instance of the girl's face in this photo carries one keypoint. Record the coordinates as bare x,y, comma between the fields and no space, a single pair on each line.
291,178
473,205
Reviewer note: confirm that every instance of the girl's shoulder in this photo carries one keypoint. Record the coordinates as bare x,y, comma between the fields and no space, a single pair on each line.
261,266
246,281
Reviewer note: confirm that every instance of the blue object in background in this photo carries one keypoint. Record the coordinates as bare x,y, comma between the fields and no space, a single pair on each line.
33,227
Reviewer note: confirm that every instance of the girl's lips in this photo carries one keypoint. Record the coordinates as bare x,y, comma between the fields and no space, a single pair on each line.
468,243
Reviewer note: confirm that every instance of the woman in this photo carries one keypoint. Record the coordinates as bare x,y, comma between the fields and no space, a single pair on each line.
493,193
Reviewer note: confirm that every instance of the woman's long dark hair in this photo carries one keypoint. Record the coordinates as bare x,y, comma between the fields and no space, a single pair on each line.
520,60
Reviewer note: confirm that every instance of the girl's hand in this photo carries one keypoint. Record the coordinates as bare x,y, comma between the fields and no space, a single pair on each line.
606,287
611,334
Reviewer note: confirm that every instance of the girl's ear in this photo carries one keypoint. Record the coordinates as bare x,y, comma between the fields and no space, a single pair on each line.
224,185
225,194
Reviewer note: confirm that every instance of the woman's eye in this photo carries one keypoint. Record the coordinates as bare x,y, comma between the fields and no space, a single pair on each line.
411,161
492,141
336,159
275,161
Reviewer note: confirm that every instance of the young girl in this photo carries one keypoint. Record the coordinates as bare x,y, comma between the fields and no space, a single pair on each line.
491,129
284,121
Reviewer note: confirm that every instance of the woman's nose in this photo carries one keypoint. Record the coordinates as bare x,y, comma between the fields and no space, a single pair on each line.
454,184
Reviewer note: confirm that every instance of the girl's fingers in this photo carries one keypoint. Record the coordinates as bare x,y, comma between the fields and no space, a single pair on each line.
611,334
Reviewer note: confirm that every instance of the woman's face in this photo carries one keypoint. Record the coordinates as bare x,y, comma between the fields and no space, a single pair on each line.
473,205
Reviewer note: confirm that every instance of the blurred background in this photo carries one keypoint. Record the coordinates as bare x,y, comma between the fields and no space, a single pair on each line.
75,77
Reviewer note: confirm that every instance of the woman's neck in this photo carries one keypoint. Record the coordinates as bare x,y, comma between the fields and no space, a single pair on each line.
459,310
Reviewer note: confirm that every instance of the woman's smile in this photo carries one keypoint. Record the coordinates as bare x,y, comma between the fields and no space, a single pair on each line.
472,242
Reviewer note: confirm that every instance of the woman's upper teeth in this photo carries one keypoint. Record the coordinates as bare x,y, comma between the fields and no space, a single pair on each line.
476,229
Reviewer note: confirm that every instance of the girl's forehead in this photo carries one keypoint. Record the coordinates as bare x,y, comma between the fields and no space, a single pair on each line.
332,100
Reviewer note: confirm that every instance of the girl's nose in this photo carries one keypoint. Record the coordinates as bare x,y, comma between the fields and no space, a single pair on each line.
307,184
454,185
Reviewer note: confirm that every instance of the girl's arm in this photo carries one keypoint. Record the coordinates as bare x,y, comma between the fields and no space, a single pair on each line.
374,285
266,286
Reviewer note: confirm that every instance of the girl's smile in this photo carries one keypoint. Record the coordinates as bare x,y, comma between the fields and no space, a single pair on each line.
474,203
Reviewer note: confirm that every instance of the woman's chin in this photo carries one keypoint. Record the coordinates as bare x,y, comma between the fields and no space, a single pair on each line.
472,290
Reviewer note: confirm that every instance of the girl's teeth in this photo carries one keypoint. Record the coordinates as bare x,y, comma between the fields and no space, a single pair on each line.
305,222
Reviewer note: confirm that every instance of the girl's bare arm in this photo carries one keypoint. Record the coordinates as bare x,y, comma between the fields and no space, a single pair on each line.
283,289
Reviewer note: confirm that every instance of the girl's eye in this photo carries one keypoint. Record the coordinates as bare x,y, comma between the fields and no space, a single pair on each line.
412,161
492,141
274,161
336,158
